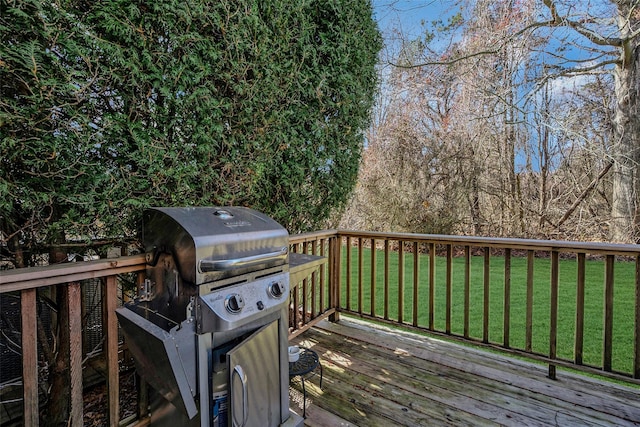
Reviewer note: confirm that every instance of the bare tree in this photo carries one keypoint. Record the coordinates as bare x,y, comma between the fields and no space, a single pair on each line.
540,136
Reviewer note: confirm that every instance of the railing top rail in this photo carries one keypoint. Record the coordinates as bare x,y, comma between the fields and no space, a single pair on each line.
497,242
34,277
311,236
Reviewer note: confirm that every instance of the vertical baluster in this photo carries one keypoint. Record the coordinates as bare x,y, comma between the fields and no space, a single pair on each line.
416,279
448,284
400,281
386,279
608,314
322,279
335,276
529,315
294,304
553,321
579,338
506,323
432,284
305,290
373,277
485,320
467,289
348,284
141,385
360,264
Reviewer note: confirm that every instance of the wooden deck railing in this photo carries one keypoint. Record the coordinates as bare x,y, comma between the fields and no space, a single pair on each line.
27,282
314,298
311,297
423,282
470,289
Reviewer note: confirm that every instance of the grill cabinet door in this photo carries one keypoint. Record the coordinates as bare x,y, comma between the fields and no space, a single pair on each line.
254,369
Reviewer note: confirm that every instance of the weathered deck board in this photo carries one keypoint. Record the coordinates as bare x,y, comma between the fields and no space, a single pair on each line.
375,376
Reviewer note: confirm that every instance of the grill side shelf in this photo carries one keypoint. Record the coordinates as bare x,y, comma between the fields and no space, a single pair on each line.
301,265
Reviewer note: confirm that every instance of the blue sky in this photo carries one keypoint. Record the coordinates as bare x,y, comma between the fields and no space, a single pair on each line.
409,14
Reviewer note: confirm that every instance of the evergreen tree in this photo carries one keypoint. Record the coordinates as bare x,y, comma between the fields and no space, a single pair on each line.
111,106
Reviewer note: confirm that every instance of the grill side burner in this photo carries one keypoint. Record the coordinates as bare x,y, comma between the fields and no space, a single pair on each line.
209,331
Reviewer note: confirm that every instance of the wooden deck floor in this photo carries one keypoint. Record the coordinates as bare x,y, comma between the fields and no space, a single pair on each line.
375,376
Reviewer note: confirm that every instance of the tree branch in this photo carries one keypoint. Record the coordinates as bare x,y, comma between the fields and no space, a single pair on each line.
450,62
563,21
556,21
584,194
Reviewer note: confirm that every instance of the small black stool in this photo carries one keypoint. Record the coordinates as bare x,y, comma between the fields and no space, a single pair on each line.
306,364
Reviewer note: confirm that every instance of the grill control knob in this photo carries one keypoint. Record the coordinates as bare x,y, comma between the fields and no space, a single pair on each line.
276,289
234,303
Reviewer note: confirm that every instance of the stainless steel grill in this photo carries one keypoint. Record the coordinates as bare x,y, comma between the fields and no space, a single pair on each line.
209,329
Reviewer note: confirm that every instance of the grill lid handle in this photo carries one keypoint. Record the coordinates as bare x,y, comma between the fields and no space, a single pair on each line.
207,265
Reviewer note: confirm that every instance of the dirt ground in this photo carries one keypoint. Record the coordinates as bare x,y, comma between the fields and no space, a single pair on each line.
95,401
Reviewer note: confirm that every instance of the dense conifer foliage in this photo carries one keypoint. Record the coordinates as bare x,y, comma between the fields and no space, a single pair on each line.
114,105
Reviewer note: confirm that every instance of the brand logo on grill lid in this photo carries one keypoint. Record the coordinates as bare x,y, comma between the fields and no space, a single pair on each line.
232,224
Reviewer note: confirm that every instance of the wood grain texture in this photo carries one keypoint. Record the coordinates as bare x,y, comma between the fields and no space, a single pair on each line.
74,296
111,348
29,357
378,376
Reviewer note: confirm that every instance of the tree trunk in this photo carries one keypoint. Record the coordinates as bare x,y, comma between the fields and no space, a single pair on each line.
57,411
634,95
475,205
625,209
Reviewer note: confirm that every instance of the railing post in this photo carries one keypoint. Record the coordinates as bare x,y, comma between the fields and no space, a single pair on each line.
111,350
74,301
334,274
416,280
29,326
400,281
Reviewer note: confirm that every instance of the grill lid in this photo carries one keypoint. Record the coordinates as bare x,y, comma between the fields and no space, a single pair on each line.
210,243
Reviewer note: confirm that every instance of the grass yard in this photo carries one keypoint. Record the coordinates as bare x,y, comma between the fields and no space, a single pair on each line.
623,314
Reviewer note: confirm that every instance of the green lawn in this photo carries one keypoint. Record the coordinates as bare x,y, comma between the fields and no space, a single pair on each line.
624,295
